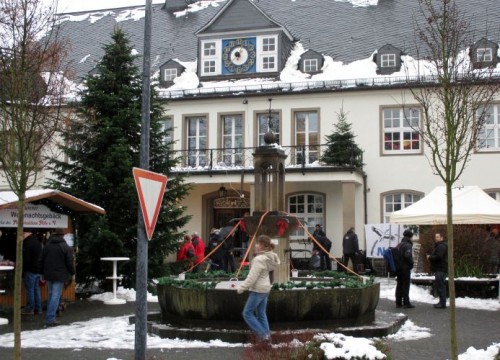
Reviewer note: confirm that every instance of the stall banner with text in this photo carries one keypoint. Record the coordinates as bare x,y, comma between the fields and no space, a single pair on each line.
381,236
35,216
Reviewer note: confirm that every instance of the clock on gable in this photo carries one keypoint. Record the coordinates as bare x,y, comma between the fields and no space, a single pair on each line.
239,56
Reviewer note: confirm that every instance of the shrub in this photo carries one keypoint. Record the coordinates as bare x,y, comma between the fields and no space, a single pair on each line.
471,250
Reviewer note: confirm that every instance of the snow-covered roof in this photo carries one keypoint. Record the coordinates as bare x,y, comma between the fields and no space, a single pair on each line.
9,198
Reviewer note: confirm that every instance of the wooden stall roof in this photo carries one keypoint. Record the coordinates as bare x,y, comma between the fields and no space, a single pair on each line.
8,198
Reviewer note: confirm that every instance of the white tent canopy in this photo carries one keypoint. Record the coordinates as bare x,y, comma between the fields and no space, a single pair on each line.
471,205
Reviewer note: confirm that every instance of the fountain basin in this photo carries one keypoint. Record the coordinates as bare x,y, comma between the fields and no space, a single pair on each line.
292,307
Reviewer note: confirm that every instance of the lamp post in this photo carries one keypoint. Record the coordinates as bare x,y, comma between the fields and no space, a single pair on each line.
222,192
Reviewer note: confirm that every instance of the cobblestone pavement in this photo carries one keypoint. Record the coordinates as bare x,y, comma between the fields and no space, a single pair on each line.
476,328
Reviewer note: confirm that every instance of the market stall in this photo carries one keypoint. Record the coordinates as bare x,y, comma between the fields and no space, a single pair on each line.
45,211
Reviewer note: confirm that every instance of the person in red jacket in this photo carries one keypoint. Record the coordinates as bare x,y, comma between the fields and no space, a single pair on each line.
186,252
199,249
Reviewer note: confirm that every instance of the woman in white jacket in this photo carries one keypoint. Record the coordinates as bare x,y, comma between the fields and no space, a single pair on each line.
258,283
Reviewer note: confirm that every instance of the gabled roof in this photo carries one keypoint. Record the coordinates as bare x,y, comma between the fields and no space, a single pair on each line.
232,10
8,198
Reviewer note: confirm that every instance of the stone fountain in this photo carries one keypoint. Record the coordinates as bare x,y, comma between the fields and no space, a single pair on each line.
190,310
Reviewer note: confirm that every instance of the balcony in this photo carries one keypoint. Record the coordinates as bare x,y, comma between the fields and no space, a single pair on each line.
299,158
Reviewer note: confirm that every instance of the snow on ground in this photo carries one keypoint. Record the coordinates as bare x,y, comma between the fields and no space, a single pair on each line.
117,333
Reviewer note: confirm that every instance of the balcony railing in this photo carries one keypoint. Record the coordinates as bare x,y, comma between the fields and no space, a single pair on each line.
229,159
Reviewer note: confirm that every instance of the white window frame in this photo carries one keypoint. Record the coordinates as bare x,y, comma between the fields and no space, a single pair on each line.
311,65
402,135
307,134
169,74
495,194
199,152
488,137
308,218
167,130
211,60
233,154
402,201
262,130
388,60
484,54
267,59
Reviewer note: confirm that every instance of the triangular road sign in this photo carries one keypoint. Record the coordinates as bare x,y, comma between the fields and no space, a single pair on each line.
150,188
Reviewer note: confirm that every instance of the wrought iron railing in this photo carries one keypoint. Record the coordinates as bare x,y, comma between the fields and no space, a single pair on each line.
229,159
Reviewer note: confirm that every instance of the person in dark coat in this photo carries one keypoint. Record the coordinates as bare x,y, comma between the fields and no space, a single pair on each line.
217,258
439,266
403,273
324,257
32,252
350,247
58,266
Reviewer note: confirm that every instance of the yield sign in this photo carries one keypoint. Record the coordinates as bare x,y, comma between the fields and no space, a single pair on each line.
150,188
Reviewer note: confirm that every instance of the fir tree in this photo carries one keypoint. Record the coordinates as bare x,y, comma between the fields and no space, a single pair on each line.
342,149
102,146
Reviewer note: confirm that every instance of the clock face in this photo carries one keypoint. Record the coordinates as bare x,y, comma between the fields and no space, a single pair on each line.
238,56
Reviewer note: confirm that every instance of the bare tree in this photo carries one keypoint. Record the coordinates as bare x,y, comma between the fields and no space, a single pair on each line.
453,106
32,85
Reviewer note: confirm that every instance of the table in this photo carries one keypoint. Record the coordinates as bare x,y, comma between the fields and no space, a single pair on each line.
114,277
4,268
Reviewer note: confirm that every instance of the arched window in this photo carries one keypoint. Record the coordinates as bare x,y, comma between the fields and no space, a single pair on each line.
397,200
310,209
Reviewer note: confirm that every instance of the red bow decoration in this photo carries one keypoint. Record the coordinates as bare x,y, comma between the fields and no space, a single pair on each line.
282,225
243,226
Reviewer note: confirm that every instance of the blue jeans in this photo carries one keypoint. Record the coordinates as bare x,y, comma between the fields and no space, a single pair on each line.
255,316
54,288
34,299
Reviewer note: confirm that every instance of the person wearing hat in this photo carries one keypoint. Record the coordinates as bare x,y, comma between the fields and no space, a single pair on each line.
403,273
58,267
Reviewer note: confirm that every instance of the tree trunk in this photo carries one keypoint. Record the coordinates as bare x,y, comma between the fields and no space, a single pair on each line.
451,272
18,276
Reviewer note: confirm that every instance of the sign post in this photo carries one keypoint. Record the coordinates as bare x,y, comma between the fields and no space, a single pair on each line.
150,188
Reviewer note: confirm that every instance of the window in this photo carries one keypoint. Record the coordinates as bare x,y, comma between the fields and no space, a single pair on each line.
484,55
306,137
494,194
197,141
232,139
169,74
397,201
388,60
209,58
209,49
263,124
310,65
488,138
267,51
167,131
400,131
309,209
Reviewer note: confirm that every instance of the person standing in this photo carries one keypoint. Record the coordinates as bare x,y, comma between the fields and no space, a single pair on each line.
57,267
258,283
403,273
350,247
324,256
199,250
186,252
439,266
32,251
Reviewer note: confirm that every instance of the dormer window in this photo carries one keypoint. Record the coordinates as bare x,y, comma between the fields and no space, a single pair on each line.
310,65
169,71
484,54
388,60
311,62
169,74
